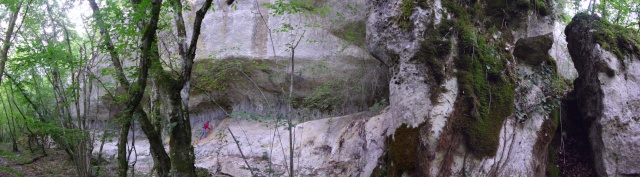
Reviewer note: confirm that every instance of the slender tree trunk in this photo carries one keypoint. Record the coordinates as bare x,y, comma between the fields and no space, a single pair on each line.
123,163
31,135
4,53
289,122
638,16
592,6
102,141
12,129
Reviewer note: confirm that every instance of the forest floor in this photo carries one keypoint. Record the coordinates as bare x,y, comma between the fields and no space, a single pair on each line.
24,163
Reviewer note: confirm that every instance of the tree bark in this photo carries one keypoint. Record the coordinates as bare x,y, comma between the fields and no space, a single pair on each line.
12,131
160,156
177,92
148,51
123,163
7,40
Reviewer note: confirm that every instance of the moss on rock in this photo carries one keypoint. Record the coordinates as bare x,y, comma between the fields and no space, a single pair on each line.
487,92
552,169
534,50
432,52
404,18
542,8
486,89
617,39
403,149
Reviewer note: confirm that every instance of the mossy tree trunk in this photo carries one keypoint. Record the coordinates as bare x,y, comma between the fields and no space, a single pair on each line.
176,92
123,164
160,156
148,51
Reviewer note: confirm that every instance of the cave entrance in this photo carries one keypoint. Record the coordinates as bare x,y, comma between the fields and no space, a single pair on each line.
573,155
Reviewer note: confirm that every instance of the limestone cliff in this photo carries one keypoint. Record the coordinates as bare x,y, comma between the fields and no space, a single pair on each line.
607,60
474,88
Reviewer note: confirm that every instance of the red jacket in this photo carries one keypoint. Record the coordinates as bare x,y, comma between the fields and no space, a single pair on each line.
206,126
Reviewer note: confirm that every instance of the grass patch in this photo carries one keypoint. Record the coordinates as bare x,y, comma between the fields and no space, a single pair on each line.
10,170
13,156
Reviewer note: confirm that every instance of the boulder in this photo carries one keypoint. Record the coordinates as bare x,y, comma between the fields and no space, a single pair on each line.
534,50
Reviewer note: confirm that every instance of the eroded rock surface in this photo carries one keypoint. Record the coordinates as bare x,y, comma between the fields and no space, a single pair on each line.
246,46
534,50
608,98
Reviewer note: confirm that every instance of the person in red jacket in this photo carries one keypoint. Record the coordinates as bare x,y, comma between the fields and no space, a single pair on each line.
204,129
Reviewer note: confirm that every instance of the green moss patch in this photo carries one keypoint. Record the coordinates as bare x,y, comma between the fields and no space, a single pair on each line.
552,167
403,148
406,154
534,50
432,52
353,33
407,7
511,10
549,127
543,8
404,18
486,91
486,87
617,39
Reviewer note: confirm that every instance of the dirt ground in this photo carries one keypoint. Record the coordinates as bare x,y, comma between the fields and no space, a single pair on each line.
22,163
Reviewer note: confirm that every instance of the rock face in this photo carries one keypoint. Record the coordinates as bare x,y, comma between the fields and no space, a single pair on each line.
242,61
534,50
608,98
417,134
328,147
521,146
248,38
465,99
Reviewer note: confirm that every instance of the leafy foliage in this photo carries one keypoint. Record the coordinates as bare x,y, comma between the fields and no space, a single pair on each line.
550,83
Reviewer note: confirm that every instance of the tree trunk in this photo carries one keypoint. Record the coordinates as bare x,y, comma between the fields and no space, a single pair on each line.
7,40
123,164
177,92
12,131
160,156
181,150
148,51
